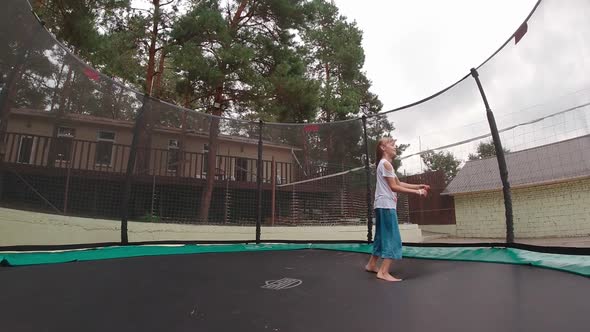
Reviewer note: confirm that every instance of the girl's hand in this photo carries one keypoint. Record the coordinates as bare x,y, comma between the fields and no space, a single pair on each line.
425,186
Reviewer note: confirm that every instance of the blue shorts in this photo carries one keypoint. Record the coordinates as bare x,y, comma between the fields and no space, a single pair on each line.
388,241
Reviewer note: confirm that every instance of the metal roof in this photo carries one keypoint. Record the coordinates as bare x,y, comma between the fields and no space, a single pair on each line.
560,161
83,118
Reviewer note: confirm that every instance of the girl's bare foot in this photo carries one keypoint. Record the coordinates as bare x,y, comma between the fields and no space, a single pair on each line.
387,277
371,268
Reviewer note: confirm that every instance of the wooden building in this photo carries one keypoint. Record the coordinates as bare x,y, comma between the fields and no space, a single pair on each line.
77,164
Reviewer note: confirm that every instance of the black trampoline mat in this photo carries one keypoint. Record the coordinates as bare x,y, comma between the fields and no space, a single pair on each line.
300,290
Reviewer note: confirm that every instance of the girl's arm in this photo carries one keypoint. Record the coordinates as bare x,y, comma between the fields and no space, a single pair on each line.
414,186
397,186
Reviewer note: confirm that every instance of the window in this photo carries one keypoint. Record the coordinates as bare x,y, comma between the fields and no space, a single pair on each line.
241,169
173,155
104,147
66,132
62,148
25,149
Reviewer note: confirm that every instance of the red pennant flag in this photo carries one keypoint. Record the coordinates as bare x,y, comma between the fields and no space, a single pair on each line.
311,128
91,74
520,33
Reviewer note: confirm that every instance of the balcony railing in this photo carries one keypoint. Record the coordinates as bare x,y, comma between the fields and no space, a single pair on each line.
101,156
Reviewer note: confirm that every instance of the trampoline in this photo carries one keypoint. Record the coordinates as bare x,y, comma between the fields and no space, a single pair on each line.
101,230
288,287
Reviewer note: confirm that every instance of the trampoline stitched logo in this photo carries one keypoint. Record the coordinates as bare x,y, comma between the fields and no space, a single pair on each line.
280,284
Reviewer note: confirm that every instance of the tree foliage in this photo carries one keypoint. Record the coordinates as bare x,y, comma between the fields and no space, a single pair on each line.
485,150
443,161
276,60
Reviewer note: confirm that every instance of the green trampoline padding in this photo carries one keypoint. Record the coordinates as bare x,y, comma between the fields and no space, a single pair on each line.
579,264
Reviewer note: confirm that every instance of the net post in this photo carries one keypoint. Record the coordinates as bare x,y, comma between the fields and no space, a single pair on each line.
368,174
68,176
259,182
273,184
501,161
129,171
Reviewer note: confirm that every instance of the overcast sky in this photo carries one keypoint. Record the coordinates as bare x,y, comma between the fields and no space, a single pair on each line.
416,48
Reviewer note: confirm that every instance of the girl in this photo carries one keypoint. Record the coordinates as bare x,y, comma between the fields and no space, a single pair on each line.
388,243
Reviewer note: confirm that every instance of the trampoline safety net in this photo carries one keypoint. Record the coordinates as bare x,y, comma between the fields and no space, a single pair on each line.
87,158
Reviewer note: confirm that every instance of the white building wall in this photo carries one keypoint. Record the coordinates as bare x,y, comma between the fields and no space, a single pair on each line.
555,210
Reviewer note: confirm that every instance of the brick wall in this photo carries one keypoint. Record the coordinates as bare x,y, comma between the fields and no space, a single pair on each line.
556,210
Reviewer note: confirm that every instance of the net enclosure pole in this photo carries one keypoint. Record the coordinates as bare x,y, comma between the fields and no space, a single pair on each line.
259,182
273,184
501,160
129,172
368,174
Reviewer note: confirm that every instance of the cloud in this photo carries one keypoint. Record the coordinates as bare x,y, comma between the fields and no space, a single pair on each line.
414,49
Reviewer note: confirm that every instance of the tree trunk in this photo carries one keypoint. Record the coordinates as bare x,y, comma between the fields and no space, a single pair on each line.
65,94
306,169
183,124
211,157
55,90
59,114
152,49
236,19
329,141
142,163
144,136
214,129
157,89
111,101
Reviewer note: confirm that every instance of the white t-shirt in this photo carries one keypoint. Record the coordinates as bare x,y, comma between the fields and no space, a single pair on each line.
385,198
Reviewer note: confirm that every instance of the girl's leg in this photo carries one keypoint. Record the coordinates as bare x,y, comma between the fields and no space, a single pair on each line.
372,264
383,272
391,244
